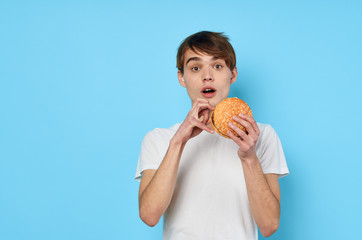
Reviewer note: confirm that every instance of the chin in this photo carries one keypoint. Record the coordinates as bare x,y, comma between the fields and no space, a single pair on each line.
216,101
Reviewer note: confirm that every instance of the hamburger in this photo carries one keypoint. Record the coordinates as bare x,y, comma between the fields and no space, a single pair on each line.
224,112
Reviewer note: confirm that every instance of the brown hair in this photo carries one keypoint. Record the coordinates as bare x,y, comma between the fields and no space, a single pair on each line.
212,43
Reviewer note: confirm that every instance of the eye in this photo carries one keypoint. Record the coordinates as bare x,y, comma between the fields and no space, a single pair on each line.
195,69
218,66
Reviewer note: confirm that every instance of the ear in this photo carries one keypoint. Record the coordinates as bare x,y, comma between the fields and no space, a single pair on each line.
181,79
234,74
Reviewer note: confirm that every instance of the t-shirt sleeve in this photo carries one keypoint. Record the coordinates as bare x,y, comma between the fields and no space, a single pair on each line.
149,157
272,157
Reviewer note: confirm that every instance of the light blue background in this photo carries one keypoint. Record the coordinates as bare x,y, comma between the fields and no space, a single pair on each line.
81,83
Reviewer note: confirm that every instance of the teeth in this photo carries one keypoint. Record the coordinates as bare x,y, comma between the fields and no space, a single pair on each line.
208,90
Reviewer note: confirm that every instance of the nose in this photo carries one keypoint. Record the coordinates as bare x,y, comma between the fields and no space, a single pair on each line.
207,75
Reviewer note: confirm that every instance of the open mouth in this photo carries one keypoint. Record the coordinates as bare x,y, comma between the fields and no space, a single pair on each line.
208,92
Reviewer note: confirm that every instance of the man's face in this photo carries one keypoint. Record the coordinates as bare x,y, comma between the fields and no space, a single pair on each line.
206,77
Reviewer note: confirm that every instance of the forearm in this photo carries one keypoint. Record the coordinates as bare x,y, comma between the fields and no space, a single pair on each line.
156,188
264,205
156,197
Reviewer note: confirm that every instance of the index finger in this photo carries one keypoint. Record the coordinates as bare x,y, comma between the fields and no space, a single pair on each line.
202,106
202,126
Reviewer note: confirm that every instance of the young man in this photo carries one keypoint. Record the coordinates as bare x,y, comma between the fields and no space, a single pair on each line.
207,186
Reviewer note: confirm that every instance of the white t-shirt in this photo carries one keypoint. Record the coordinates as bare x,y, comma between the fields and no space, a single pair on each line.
210,199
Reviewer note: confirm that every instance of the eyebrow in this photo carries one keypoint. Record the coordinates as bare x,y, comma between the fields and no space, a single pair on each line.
198,59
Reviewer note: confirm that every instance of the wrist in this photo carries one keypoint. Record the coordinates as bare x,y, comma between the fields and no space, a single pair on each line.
176,142
179,138
250,159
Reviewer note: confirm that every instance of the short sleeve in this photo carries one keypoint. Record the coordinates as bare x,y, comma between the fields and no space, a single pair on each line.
272,157
150,157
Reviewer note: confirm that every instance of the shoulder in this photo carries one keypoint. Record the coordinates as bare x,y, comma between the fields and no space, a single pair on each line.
160,134
270,151
267,132
265,128
157,140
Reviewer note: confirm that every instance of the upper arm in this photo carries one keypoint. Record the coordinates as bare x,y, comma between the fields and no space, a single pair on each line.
273,182
147,176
